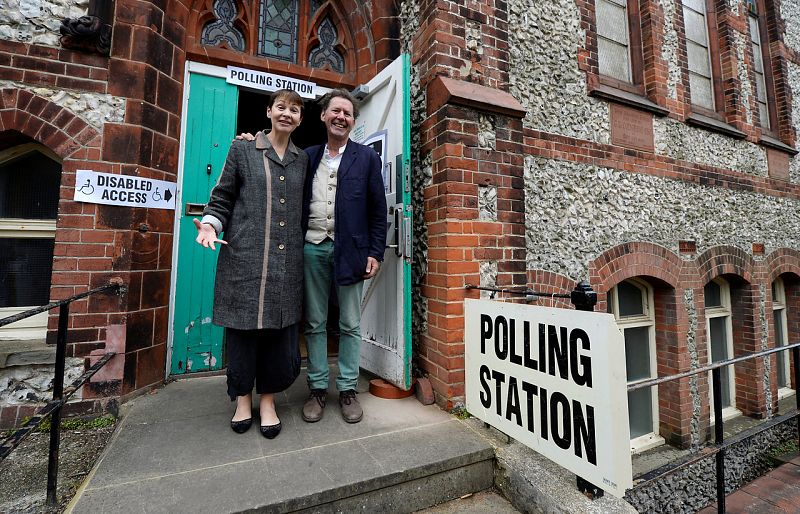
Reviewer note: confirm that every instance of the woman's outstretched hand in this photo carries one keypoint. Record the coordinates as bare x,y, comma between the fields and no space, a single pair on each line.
206,235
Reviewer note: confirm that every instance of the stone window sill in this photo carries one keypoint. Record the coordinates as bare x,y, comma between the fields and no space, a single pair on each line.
709,123
777,145
630,99
26,353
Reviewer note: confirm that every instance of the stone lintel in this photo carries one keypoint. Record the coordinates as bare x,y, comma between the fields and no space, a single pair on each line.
444,90
26,353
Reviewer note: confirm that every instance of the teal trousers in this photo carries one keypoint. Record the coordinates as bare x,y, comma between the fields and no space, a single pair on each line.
318,274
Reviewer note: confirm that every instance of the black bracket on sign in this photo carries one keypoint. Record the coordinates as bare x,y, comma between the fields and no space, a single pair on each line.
208,169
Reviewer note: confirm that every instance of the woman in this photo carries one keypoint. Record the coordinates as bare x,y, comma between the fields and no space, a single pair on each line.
258,291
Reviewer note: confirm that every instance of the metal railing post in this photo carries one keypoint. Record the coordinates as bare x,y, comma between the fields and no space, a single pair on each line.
796,364
58,396
716,384
584,298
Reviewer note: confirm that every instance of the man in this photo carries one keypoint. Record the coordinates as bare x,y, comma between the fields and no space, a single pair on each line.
344,218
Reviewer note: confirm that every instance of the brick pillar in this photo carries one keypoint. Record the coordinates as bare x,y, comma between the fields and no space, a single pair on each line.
474,205
146,68
474,209
674,398
746,322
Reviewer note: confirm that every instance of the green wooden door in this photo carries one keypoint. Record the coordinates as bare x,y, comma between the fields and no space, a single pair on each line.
197,344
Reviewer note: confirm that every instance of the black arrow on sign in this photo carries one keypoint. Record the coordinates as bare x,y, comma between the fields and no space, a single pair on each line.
167,195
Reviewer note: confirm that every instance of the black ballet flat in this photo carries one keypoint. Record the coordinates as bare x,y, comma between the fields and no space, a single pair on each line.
271,431
240,427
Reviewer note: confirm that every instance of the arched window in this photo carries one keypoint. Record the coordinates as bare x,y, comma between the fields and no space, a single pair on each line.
781,337
719,334
761,63
30,178
303,32
631,302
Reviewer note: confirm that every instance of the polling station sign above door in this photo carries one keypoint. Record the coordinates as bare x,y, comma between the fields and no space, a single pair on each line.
553,379
269,81
124,190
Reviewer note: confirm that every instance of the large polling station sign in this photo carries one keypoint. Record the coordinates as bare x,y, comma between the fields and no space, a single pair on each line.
269,82
553,379
125,190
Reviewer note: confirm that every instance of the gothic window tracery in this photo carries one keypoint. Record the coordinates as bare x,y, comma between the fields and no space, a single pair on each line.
223,30
309,33
325,54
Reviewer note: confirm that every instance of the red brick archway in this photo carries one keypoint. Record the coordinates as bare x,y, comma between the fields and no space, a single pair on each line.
46,122
634,260
662,270
724,260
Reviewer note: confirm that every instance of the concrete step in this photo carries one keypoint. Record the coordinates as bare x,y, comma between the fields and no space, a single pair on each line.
174,452
478,503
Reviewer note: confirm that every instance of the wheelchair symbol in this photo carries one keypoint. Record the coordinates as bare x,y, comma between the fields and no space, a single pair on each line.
87,188
157,195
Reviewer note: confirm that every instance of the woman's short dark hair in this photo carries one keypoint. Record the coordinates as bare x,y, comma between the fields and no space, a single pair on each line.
288,96
338,93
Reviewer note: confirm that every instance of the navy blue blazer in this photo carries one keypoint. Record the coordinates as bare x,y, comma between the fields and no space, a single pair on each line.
360,210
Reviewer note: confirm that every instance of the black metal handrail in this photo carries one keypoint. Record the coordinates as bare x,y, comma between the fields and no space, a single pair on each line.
60,394
719,448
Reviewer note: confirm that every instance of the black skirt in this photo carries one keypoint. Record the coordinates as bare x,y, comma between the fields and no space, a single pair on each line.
266,358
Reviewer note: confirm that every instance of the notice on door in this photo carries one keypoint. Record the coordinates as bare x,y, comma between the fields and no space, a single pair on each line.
124,190
553,379
269,82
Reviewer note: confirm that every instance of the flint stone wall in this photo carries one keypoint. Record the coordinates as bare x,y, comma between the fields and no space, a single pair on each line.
421,175
681,141
790,12
22,385
794,83
544,38
37,21
95,109
574,212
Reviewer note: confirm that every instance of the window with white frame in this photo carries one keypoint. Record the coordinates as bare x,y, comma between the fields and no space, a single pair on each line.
720,341
613,39
701,82
631,302
30,180
760,55
781,339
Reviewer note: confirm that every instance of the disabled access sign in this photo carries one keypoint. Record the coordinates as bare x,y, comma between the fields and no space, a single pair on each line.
124,190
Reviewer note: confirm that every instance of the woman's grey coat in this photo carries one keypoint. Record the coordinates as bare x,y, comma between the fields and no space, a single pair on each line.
258,201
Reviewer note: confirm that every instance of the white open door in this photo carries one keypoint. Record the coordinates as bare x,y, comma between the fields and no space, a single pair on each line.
384,124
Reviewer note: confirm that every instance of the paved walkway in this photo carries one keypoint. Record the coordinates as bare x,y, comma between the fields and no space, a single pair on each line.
174,451
776,492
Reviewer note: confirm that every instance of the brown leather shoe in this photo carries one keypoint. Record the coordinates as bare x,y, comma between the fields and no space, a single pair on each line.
351,409
314,407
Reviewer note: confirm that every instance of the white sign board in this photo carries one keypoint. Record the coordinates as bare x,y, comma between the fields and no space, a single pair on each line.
269,82
377,142
553,379
125,190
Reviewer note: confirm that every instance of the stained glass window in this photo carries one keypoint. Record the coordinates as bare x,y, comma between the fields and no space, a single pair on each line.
325,55
222,30
277,35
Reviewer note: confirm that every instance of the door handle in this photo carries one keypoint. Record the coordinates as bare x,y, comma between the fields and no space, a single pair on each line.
193,209
398,220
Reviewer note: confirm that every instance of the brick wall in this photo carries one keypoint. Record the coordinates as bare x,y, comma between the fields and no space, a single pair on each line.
94,243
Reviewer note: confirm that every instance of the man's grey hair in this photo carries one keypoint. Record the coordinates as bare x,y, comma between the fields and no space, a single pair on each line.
338,93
